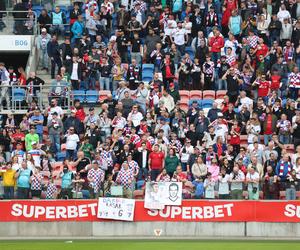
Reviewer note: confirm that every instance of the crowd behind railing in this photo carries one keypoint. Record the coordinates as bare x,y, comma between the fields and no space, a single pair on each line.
205,94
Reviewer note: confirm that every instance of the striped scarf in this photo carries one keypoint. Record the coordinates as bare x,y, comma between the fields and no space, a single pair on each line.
281,169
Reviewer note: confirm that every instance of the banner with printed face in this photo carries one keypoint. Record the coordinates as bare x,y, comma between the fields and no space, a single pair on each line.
160,194
116,208
189,211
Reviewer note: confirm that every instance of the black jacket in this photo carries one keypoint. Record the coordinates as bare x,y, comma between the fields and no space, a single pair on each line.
53,49
138,157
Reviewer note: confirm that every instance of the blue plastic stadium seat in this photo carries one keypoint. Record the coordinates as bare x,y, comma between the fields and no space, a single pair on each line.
197,100
18,94
79,95
147,73
92,96
206,103
148,66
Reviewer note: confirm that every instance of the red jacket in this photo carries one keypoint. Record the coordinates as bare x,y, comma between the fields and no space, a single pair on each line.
80,114
216,43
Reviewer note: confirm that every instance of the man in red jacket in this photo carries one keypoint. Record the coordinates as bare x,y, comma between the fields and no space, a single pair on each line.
216,43
80,114
156,162
263,86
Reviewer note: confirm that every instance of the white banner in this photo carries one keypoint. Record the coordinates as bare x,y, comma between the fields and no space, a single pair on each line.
15,43
116,208
160,194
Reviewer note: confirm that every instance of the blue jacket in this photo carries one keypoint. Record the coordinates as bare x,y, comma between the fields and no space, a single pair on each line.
77,29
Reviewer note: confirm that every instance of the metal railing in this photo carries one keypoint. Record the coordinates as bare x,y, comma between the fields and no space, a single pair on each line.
46,3
17,98
18,26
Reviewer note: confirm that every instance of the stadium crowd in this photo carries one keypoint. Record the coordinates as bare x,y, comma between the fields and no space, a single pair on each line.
205,93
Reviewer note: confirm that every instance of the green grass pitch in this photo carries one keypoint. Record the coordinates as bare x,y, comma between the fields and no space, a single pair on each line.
148,245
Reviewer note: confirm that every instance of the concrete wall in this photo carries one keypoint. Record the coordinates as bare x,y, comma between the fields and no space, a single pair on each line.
146,229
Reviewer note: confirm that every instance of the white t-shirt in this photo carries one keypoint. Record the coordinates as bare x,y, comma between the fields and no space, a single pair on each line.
56,109
221,130
223,184
72,141
247,102
178,36
74,75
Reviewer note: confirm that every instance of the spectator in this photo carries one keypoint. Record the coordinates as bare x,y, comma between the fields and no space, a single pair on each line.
9,182
36,183
58,20
22,177
55,129
237,178
42,42
72,140
44,20
53,53
125,179
156,162
252,179
171,162
31,138
96,179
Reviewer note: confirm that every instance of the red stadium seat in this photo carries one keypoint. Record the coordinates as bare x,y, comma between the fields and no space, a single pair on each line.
195,94
220,94
244,139
184,93
184,104
103,94
57,166
209,94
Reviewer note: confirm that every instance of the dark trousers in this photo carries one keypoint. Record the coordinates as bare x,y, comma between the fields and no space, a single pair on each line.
9,193
154,174
75,84
54,62
71,154
23,193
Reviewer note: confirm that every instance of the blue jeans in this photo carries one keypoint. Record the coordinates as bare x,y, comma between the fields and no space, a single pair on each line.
9,193
284,139
208,30
154,174
71,154
294,93
91,83
290,194
215,56
267,138
57,29
44,58
55,141
143,174
104,83
222,84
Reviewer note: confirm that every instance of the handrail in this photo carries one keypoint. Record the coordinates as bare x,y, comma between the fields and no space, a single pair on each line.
10,12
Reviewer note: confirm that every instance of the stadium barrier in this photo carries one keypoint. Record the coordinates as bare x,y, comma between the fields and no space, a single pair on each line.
193,218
